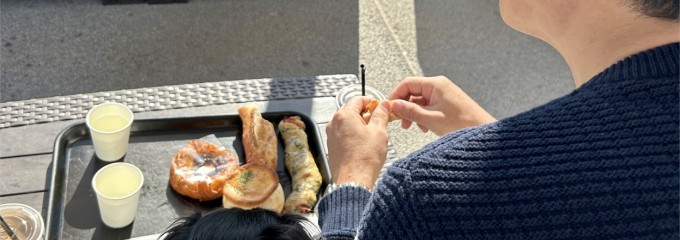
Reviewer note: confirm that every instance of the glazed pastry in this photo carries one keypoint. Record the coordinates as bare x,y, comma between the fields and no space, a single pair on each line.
300,164
259,139
200,168
253,186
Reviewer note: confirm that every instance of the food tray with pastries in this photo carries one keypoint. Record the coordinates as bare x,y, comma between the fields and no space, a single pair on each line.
72,209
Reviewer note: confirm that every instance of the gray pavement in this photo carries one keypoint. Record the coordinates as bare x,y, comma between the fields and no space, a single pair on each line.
58,47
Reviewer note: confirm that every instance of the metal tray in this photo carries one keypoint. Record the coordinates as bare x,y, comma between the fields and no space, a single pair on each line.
73,212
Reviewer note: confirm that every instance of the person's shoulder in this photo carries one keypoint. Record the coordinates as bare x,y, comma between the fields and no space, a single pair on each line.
493,140
441,149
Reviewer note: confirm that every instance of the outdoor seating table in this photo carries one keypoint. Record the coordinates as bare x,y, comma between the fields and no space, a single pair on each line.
28,129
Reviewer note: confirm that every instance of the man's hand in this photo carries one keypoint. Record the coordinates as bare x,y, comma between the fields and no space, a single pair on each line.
357,150
436,104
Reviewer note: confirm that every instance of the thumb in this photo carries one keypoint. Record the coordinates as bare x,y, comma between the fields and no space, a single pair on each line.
411,111
380,115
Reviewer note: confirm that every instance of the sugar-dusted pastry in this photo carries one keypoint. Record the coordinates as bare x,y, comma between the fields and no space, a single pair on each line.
200,168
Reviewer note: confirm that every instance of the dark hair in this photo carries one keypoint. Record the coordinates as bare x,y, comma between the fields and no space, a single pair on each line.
668,9
236,223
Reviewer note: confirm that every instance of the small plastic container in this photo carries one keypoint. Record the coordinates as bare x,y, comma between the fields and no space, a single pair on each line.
25,221
348,92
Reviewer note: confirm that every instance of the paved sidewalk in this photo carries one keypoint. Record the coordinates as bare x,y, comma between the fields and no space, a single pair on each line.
58,47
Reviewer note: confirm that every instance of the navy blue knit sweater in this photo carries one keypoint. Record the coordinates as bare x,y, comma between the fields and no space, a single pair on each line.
599,163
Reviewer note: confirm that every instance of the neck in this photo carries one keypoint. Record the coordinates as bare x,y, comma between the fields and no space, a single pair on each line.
589,51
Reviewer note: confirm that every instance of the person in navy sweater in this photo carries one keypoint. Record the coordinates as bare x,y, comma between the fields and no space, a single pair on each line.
599,163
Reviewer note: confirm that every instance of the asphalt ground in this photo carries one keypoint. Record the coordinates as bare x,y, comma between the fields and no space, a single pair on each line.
63,47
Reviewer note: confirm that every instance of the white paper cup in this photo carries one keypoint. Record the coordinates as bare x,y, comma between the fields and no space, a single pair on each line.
109,125
117,186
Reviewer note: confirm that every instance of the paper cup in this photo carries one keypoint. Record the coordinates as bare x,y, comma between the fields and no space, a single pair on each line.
109,125
117,186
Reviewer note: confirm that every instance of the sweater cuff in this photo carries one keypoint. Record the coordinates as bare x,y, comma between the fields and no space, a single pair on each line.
340,211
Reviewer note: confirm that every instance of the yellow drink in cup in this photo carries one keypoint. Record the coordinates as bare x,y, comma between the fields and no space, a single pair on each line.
109,125
118,187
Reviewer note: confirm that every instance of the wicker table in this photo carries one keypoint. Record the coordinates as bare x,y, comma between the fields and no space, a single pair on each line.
28,128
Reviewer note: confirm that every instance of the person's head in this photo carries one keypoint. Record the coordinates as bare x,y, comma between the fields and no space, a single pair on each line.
236,223
540,18
591,35
664,9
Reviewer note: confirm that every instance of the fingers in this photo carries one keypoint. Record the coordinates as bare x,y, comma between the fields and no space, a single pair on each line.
356,104
423,128
352,108
381,114
405,124
405,89
420,100
411,111
412,86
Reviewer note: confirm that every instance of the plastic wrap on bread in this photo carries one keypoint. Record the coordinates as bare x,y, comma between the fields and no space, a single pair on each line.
201,167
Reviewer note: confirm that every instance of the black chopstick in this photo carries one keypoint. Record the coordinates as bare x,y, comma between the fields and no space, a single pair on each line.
8,230
363,80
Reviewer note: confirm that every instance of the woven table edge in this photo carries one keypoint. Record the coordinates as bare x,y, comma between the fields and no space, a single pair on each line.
70,107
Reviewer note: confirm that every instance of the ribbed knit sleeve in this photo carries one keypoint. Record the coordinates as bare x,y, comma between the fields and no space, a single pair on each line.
340,212
392,212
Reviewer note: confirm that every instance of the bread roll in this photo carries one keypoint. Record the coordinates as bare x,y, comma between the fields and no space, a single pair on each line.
253,186
259,139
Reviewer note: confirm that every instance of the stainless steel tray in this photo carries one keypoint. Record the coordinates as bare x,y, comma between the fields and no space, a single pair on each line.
72,210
